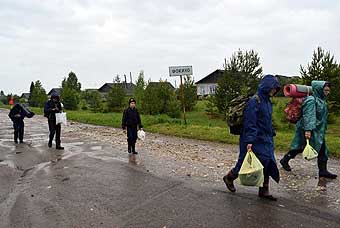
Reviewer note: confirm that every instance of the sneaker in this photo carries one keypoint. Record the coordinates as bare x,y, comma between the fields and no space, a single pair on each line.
60,148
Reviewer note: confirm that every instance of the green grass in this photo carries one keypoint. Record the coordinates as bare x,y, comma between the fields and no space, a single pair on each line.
201,126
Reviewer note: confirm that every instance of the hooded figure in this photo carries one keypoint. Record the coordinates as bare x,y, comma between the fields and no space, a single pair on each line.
257,134
52,107
17,116
130,121
312,125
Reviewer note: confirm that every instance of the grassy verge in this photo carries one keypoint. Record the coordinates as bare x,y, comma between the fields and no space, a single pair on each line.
201,126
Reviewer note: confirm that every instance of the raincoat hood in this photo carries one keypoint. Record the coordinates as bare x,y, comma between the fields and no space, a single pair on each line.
55,95
268,83
317,87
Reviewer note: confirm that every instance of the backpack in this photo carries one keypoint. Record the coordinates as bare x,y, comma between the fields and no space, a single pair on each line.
293,110
234,113
28,113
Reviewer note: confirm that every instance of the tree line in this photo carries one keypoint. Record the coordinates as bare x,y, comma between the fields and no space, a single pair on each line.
152,98
243,71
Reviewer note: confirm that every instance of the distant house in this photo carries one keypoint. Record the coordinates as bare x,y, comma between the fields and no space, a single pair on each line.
25,96
107,87
55,90
157,83
207,85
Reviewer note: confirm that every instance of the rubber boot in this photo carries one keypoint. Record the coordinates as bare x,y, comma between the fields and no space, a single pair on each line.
129,148
323,172
229,181
49,143
59,147
290,155
264,191
285,162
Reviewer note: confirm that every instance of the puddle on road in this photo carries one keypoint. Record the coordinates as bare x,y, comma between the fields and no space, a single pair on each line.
96,148
9,163
4,144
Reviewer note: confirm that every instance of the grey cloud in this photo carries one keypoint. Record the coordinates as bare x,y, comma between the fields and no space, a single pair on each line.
99,39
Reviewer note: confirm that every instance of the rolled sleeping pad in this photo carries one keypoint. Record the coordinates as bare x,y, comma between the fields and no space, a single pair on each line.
297,91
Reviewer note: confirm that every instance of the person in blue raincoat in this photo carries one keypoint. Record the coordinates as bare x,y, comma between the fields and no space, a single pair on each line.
257,135
312,126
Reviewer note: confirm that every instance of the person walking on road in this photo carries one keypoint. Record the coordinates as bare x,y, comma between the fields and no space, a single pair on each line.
257,135
53,106
130,121
17,116
312,126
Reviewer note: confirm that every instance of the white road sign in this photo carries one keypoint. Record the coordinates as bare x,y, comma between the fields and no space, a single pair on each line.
180,70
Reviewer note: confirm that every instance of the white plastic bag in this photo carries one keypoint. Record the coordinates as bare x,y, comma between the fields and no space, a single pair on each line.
61,118
141,135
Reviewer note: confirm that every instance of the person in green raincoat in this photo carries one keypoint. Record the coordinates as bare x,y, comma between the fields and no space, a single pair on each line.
312,126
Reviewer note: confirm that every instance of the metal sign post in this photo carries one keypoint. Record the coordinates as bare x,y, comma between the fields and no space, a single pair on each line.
183,100
180,71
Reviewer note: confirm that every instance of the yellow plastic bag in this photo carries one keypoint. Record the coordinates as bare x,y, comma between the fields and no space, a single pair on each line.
251,172
309,152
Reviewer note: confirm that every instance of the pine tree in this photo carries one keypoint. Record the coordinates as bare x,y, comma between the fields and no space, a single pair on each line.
116,97
242,74
190,93
324,67
140,89
38,95
70,92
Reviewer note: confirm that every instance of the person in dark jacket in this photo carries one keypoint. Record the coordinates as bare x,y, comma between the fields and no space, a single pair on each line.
130,121
52,107
17,115
257,135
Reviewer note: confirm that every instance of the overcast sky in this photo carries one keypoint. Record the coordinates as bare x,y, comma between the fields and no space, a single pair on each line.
98,39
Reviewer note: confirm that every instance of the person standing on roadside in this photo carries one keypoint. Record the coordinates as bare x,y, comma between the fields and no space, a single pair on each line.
130,121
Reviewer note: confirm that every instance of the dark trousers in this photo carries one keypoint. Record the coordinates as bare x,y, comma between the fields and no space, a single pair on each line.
131,138
322,157
18,131
55,129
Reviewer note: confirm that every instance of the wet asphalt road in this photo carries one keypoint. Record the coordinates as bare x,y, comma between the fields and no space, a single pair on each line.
87,186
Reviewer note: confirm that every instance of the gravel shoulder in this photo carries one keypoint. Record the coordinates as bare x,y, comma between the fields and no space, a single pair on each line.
205,163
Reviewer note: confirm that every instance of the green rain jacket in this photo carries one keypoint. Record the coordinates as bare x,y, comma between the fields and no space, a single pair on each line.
314,119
